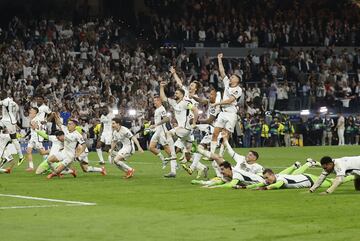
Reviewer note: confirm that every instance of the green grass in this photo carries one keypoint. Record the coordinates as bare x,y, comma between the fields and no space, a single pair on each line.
149,207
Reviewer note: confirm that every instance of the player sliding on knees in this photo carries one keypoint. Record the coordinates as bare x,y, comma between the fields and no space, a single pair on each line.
71,150
342,167
123,135
159,136
227,118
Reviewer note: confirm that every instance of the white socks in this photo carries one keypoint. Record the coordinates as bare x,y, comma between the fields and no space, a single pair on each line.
121,165
17,147
100,155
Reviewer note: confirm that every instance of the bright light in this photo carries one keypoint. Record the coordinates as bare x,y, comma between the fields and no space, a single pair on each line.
168,114
115,111
200,112
132,112
305,112
323,109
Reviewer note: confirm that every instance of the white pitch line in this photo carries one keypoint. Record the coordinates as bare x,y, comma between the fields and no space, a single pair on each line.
49,200
40,206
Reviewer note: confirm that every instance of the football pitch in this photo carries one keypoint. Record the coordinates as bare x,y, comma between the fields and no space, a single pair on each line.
149,207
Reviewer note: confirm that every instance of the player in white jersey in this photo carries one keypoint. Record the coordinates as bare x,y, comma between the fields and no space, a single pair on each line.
182,109
160,129
292,179
191,92
105,133
57,145
9,114
71,150
5,154
228,116
206,126
36,141
83,158
342,167
44,110
123,135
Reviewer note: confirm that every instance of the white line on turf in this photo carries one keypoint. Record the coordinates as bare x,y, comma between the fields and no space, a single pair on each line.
68,203
40,206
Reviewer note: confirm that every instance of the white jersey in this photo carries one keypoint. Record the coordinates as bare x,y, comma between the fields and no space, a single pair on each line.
346,166
107,120
124,136
33,135
242,164
213,111
44,111
294,181
159,115
9,110
56,145
193,101
245,177
228,92
5,140
182,112
71,140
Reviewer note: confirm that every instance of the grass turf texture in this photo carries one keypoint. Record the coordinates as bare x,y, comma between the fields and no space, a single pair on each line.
149,207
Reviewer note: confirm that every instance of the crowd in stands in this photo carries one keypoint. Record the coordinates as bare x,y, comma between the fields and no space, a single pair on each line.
81,68
246,24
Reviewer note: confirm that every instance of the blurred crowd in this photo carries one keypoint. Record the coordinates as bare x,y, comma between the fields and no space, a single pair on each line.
246,24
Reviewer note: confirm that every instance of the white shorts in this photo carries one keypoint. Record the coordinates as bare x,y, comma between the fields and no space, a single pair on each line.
8,154
159,137
206,140
11,128
126,152
183,143
35,144
226,120
106,138
65,158
83,158
181,133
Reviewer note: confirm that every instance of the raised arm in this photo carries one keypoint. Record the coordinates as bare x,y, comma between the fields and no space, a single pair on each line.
176,76
202,101
162,92
221,66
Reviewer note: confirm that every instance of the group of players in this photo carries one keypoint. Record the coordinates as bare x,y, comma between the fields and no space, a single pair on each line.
68,143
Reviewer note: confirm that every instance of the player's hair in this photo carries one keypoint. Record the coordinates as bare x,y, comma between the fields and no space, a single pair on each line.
239,77
198,86
35,108
212,88
225,164
255,154
117,120
268,170
182,91
59,133
326,160
3,93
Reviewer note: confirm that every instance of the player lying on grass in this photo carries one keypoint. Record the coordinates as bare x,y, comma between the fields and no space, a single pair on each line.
342,167
291,178
246,167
